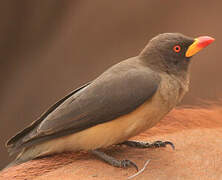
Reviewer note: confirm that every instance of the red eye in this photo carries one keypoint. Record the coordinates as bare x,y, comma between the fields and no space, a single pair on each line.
177,48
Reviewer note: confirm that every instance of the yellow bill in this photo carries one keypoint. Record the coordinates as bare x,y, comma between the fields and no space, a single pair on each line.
198,44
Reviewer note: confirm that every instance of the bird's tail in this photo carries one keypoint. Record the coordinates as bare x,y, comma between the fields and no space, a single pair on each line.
25,155
13,163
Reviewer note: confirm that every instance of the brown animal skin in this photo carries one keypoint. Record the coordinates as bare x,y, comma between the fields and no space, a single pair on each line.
196,133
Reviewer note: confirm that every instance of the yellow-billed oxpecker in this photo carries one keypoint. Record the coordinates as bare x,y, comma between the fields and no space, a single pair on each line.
127,99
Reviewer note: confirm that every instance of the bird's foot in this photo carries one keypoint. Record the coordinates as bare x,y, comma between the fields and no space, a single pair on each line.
156,144
114,162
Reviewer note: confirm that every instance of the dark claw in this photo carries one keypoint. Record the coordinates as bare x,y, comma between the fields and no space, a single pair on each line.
170,143
163,144
125,163
114,162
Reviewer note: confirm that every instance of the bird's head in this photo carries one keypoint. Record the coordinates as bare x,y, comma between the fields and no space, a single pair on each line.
171,52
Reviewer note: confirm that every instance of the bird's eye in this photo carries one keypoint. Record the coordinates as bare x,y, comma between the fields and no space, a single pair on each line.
177,48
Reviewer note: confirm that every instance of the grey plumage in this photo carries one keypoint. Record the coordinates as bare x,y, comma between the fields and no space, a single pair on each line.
90,105
125,100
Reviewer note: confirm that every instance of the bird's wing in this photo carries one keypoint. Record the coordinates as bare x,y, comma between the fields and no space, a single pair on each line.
29,128
118,91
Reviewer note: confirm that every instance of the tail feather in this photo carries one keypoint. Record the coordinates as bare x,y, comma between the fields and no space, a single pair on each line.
13,163
25,155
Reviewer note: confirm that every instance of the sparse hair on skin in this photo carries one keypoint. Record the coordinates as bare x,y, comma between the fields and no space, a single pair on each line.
196,132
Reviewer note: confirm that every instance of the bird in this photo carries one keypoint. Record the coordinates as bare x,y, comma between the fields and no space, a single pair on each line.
125,100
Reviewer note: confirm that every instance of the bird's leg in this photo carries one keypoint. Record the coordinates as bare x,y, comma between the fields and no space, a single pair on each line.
112,161
156,144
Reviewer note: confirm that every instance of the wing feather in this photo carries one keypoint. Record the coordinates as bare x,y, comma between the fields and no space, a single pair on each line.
118,91
29,128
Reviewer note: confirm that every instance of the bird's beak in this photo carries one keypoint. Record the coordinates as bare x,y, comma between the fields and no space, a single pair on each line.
198,44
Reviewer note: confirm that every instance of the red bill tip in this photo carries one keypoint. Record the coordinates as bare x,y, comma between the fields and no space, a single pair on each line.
204,41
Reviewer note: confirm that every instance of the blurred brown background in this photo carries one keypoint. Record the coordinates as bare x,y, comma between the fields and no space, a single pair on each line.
48,48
